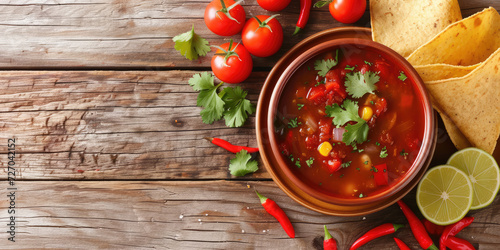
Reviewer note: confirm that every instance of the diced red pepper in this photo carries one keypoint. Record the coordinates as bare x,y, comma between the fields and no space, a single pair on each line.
382,67
334,165
380,175
380,106
316,94
312,142
364,69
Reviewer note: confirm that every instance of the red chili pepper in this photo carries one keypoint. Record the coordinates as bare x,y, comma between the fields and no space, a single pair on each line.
329,242
401,244
458,244
374,233
230,147
453,229
417,228
432,228
305,8
273,209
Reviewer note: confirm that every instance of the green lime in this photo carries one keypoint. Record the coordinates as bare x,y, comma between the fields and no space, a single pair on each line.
444,195
483,172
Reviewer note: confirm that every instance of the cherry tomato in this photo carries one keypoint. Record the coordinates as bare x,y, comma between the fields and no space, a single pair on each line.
262,35
232,63
347,11
273,5
224,17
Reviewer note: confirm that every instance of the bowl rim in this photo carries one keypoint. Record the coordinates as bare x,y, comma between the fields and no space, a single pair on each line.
429,122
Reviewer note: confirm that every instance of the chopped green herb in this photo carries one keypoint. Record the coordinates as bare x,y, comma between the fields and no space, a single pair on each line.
354,147
403,153
347,67
320,82
402,76
357,84
310,162
377,143
374,169
320,183
368,63
297,163
306,83
383,153
372,103
360,150
358,169
345,164
299,106
293,123
342,175
361,195
385,170
366,162
308,68
325,65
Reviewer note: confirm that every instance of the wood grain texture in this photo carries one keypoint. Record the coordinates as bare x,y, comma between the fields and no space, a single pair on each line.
194,215
41,34
114,125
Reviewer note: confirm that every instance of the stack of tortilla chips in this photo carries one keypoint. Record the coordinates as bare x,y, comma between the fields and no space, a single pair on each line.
458,59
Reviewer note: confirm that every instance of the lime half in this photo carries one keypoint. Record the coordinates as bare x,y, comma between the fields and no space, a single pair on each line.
483,172
444,195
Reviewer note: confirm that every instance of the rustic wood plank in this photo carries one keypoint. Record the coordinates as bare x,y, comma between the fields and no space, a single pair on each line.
114,125
193,215
42,34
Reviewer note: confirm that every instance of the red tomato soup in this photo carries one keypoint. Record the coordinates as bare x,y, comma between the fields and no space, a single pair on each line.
349,122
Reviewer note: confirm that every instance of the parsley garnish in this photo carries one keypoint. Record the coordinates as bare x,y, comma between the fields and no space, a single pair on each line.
345,164
366,162
360,150
293,123
191,45
377,143
299,106
374,169
342,175
402,76
358,169
306,83
308,68
230,102
297,163
383,153
368,63
347,67
355,133
403,153
310,161
320,82
241,165
237,107
358,84
361,195
325,65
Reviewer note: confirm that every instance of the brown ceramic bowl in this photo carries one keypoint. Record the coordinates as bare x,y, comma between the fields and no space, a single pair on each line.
280,171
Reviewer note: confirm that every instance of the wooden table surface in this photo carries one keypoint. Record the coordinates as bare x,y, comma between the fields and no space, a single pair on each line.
109,141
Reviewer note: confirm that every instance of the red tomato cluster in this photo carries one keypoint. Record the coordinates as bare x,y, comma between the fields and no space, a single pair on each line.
262,36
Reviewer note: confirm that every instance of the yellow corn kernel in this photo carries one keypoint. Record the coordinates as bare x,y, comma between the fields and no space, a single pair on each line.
366,113
325,148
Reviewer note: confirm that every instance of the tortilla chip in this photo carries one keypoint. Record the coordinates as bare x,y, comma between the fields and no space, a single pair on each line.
472,102
405,25
456,136
466,42
433,72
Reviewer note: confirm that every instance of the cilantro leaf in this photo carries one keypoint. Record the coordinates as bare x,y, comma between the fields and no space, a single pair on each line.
358,84
293,123
340,116
201,81
325,65
237,107
402,76
300,106
191,45
345,164
354,133
368,63
208,97
241,165
347,67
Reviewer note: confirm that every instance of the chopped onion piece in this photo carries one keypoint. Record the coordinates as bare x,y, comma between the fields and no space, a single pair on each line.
338,134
